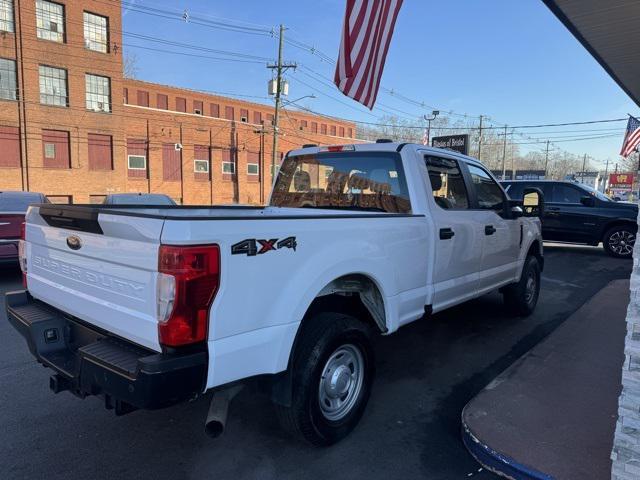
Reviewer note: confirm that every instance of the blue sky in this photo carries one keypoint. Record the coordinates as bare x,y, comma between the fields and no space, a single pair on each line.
510,60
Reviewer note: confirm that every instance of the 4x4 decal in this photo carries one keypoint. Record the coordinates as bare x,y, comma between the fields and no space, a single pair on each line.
253,246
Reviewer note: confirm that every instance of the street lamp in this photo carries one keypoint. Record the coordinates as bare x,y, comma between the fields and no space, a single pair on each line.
289,102
428,118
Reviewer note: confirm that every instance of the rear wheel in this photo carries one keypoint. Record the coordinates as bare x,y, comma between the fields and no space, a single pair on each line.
521,297
333,369
618,241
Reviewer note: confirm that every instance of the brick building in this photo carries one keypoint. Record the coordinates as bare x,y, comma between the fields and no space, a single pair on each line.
72,127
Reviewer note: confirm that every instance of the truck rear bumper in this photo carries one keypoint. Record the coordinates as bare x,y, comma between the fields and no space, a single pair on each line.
90,362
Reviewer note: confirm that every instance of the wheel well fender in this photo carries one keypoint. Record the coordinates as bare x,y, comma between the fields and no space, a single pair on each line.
614,223
535,249
355,294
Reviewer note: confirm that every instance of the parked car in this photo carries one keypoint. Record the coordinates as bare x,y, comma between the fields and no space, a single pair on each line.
13,206
577,213
149,306
138,199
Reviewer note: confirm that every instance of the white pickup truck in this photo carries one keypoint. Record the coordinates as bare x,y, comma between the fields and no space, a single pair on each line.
149,306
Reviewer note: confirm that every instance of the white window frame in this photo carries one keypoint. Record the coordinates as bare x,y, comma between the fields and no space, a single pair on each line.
48,13
93,99
257,172
200,160
51,79
49,150
136,168
6,16
233,168
95,27
275,170
8,79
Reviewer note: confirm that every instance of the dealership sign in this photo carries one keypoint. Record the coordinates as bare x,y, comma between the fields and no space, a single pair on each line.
459,143
621,180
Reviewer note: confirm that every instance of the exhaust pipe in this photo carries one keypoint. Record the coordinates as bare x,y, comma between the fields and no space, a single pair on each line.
218,410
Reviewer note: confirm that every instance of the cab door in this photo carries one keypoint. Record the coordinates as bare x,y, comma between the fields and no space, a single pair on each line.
458,235
501,232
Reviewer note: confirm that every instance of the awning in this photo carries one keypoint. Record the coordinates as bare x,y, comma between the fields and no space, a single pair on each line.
608,29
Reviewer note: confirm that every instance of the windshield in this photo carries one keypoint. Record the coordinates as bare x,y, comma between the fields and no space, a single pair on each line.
134,199
372,181
18,202
597,194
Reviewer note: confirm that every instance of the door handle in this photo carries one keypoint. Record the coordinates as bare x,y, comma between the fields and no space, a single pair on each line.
446,233
553,209
489,229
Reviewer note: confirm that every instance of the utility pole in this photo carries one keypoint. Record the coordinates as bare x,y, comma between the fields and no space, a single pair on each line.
546,160
584,163
480,138
504,155
606,172
279,68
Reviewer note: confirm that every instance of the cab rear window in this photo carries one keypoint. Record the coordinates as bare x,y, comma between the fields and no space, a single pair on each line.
373,181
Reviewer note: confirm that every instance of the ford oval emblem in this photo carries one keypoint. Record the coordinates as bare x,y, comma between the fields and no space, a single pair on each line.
74,243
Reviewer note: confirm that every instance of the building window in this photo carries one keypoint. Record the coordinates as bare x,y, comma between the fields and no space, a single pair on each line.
270,118
350,133
55,149
303,124
50,21
6,16
314,127
253,169
98,91
197,107
201,166
228,168
333,130
53,86
96,32
143,98
244,115
215,110
341,132
10,147
136,162
257,118
125,95
8,87
162,101
229,113
181,104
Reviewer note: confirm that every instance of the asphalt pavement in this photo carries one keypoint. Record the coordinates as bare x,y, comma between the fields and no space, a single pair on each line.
426,373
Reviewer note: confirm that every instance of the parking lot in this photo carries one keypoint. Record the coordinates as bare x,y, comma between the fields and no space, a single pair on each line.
427,372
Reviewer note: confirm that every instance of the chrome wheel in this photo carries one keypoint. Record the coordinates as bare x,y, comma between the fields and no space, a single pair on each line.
341,382
530,287
621,242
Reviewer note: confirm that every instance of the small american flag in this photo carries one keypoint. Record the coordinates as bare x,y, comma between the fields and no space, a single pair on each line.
425,137
631,137
366,34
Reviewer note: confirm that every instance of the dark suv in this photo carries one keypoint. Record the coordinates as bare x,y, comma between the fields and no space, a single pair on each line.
577,213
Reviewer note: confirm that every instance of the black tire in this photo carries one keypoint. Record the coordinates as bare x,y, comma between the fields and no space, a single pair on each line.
327,334
618,241
521,297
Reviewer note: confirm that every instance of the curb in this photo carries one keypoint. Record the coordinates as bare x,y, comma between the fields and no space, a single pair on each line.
495,461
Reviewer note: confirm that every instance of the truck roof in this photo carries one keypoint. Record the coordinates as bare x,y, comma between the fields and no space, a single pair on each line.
387,147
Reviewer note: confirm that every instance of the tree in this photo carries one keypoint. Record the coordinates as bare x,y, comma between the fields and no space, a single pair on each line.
130,65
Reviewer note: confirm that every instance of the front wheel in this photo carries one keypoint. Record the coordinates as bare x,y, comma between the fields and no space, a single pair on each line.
521,297
619,241
333,369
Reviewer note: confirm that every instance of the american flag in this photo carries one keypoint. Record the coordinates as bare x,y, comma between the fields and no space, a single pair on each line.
425,137
366,34
631,137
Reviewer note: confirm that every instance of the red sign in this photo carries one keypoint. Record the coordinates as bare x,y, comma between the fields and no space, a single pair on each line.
621,180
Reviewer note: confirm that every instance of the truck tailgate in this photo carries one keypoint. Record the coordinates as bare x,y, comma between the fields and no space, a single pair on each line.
103,273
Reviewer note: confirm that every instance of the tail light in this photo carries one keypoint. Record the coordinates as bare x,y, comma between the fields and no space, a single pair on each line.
188,281
338,148
22,254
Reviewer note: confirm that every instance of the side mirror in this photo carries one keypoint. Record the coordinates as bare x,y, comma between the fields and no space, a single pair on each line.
516,211
533,202
588,201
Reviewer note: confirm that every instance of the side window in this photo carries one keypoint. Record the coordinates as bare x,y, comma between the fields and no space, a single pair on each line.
489,193
565,194
447,183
